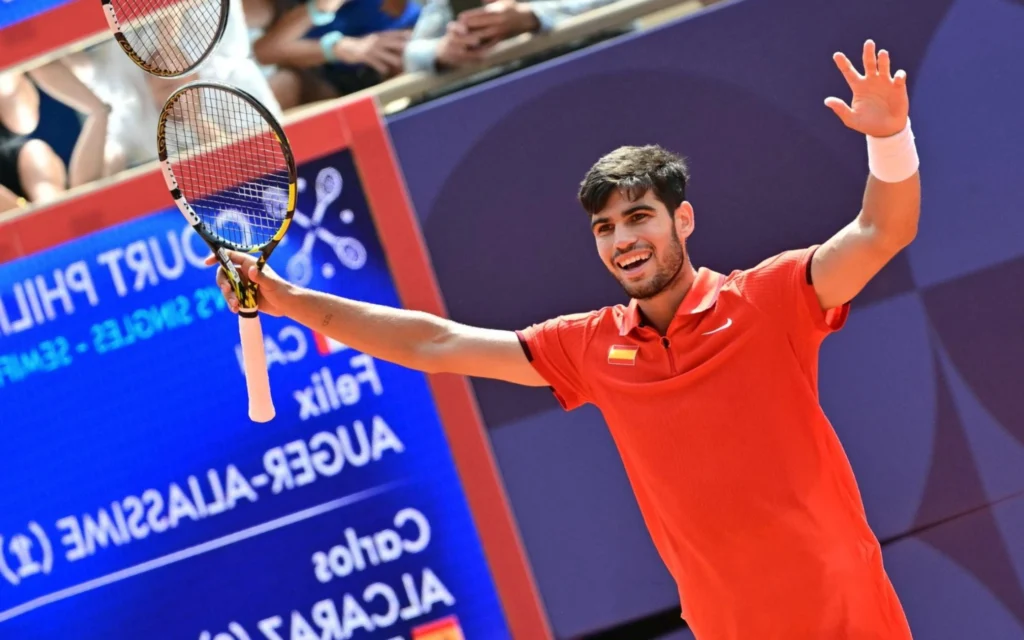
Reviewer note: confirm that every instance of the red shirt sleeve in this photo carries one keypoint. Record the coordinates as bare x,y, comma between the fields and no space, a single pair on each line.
556,349
781,287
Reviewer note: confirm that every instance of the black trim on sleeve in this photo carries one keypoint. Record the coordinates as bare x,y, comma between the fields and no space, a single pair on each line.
525,346
810,280
529,358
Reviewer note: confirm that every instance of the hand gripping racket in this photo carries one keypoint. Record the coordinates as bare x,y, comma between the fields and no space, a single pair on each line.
231,173
168,38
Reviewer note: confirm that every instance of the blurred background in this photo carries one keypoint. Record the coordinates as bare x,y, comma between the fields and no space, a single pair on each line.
90,113
491,114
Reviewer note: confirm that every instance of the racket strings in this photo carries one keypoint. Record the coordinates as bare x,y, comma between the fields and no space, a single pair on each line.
229,165
166,20
170,36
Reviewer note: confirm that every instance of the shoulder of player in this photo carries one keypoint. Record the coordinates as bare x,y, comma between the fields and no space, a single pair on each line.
780,261
585,326
596,318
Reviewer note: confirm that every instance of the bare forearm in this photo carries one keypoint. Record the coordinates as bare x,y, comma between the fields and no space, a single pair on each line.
88,160
892,210
58,80
298,54
885,225
284,44
397,335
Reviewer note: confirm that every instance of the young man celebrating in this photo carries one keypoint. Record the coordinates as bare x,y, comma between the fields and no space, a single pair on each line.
708,382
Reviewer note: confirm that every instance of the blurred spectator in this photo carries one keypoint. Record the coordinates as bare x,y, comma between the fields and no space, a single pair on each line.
118,82
233,62
285,83
344,45
440,40
137,97
30,171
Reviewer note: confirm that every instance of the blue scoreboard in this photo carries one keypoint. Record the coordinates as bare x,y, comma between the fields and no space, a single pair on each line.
137,500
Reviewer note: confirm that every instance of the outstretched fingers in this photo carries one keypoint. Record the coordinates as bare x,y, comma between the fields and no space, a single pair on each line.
846,68
884,65
841,109
869,59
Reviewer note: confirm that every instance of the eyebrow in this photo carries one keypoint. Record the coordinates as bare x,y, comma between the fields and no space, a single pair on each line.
637,207
630,211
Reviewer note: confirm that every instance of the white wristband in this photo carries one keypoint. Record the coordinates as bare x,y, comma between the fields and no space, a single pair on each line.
893,159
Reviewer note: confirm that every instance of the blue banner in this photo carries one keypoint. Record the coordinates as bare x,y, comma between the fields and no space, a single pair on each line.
137,500
14,11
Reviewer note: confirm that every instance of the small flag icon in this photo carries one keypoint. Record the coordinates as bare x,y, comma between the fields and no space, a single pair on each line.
619,354
326,346
444,629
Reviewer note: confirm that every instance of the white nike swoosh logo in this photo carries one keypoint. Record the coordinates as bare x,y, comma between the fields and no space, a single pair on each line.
728,323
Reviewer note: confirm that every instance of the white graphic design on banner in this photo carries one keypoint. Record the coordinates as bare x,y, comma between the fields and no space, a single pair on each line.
350,252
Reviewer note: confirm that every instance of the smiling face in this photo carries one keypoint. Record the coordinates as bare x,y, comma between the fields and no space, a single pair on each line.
636,198
639,242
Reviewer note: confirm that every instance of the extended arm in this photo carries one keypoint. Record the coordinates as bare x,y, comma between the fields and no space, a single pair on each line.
413,339
283,43
87,160
885,225
891,207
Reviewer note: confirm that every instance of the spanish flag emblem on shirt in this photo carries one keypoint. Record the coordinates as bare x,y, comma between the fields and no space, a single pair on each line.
444,629
619,354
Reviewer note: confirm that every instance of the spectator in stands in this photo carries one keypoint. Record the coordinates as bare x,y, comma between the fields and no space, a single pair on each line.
342,45
137,97
30,171
130,132
443,41
234,63
285,83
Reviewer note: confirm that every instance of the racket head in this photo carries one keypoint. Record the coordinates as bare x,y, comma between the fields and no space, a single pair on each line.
229,168
167,38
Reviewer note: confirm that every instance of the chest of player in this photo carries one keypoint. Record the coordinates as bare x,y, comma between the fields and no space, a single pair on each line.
714,371
733,344
721,398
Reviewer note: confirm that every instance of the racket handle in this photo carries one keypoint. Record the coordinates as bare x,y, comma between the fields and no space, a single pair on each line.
254,360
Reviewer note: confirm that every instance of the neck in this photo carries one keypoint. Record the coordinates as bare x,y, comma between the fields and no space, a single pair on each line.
660,309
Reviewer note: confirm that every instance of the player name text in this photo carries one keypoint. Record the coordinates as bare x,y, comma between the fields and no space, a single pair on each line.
295,464
378,606
410,535
329,392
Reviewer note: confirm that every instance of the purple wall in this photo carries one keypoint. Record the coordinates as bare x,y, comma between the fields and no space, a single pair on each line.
923,385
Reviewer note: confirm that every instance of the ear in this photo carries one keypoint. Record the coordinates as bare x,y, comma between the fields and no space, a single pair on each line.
683,219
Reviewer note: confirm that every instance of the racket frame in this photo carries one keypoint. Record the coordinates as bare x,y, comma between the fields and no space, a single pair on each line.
115,28
247,295
261,407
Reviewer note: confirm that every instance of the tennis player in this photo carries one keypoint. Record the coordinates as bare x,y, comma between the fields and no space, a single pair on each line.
708,382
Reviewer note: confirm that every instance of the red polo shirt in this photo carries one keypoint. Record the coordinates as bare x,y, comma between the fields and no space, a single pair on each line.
741,480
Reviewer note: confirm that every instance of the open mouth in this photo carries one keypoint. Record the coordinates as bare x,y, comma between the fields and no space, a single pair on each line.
633,261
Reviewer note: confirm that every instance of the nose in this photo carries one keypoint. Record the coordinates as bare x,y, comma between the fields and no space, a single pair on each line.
624,239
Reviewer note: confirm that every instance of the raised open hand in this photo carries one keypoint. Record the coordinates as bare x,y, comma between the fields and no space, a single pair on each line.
880,104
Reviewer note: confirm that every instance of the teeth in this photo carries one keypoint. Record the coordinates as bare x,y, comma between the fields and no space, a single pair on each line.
638,258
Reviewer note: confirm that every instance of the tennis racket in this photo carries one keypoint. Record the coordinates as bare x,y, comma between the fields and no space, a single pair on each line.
167,38
231,173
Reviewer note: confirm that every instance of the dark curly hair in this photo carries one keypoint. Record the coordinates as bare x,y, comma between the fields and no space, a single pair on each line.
633,171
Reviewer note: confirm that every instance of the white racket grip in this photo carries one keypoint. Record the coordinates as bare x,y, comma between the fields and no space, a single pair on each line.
254,361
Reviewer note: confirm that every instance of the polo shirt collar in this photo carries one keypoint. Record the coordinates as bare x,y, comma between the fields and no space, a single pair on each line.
702,296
